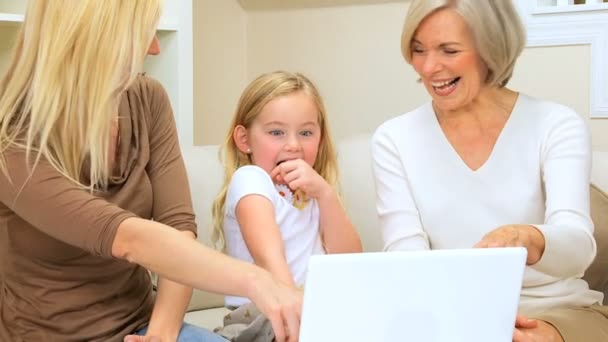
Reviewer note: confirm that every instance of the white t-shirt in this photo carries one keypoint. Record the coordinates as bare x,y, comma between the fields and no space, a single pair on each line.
537,174
299,227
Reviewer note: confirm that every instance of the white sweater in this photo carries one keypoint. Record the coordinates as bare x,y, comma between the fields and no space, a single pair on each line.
537,174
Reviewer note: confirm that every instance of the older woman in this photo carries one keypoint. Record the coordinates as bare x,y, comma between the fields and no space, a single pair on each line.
482,165
93,190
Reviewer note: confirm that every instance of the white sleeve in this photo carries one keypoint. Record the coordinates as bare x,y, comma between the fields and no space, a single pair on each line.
397,210
249,180
568,229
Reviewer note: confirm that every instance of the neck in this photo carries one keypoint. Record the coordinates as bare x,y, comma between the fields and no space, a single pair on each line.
490,103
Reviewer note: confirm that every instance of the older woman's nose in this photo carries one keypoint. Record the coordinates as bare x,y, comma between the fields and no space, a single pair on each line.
431,64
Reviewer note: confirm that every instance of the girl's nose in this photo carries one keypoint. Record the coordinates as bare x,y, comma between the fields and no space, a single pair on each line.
292,144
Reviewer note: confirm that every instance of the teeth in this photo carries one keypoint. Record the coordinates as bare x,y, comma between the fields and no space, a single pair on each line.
442,84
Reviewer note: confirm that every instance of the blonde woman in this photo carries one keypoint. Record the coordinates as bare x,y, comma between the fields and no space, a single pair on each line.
94,192
482,165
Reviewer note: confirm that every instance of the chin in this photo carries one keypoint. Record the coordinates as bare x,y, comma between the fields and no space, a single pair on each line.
445,106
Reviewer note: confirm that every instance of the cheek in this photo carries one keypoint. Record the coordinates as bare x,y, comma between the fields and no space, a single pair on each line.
311,150
264,153
472,64
417,65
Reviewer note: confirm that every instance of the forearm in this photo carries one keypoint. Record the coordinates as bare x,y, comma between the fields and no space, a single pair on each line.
278,267
262,236
337,231
171,303
170,254
568,251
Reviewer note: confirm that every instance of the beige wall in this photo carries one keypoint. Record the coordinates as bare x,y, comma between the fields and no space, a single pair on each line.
353,55
219,66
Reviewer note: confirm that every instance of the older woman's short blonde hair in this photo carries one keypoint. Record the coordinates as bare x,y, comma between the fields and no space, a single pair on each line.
495,24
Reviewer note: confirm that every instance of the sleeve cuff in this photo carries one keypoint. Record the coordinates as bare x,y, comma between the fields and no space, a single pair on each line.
568,252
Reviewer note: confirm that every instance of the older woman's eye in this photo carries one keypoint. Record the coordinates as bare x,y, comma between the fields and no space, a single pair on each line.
417,50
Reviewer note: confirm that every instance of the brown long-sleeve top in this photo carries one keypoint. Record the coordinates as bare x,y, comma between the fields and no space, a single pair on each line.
58,279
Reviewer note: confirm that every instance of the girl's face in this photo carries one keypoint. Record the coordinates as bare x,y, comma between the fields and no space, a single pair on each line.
445,57
287,128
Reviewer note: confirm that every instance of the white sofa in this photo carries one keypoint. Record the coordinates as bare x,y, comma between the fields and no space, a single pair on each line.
206,175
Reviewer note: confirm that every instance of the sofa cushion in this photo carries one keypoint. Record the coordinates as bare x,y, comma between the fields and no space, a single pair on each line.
358,190
205,174
208,319
597,274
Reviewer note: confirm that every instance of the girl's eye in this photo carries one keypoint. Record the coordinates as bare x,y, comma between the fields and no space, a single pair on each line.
276,132
306,133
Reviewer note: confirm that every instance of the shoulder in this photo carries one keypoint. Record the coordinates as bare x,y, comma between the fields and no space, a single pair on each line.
553,124
149,93
251,173
249,180
548,113
144,85
405,125
405,132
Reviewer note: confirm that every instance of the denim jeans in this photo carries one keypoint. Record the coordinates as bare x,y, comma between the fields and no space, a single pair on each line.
191,333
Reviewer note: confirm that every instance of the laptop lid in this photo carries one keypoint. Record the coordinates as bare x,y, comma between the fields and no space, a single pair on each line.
432,296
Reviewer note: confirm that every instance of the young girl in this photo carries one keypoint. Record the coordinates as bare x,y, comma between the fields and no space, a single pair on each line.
279,205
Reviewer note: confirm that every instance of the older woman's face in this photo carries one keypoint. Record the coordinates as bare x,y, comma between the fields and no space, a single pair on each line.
445,57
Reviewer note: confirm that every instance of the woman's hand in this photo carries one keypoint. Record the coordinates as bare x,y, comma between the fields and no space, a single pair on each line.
297,174
280,304
516,235
531,330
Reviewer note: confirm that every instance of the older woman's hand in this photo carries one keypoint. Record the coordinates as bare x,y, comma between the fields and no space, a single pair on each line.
532,330
516,235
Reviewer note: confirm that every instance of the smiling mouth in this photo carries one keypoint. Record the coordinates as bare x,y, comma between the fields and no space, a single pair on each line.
446,84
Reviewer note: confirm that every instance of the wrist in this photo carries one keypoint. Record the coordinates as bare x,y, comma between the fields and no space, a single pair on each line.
165,335
536,245
327,193
253,282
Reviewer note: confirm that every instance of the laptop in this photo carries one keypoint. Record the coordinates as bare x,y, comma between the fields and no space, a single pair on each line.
452,295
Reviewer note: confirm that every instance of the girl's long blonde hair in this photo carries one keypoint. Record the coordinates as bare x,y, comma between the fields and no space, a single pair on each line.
262,90
71,62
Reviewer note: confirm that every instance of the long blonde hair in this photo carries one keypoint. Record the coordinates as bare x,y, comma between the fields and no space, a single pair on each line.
71,62
262,90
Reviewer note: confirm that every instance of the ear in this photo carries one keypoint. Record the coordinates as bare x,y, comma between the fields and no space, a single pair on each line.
240,137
